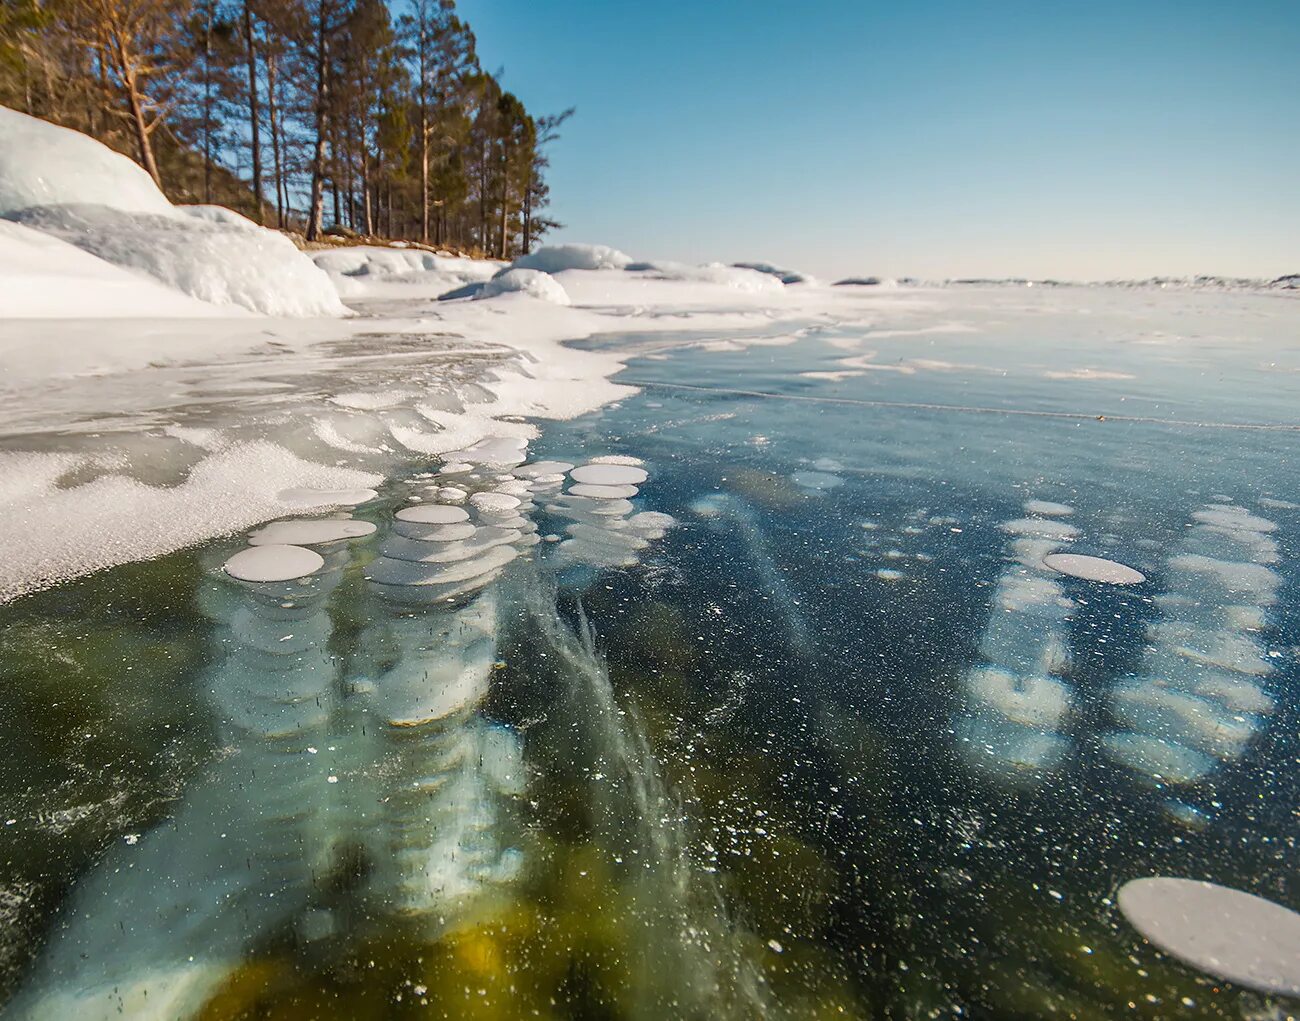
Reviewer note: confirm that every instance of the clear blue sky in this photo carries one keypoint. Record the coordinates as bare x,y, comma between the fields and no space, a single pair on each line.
1079,140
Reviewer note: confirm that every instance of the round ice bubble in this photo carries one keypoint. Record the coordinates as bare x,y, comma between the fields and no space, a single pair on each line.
277,562
432,514
603,492
494,503
309,532
1109,572
1048,509
609,475
1227,933
538,468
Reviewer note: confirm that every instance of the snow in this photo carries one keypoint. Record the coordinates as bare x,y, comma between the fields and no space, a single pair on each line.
43,164
747,281
39,274
75,189
229,265
557,258
531,282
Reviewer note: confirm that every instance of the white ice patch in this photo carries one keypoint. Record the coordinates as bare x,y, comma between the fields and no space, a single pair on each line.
432,514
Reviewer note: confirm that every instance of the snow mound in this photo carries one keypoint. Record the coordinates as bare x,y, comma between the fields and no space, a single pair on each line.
218,214
255,268
532,282
786,276
39,272
747,281
43,164
76,189
557,258
374,261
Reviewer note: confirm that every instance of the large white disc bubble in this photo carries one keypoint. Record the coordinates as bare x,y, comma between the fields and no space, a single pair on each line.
1228,933
1110,572
609,475
433,514
274,563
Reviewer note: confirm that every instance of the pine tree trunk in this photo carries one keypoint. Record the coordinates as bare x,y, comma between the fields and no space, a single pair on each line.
253,118
136,102
271,112
317,208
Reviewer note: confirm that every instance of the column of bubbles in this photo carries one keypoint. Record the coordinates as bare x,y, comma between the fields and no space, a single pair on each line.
604,529
165,918
1199,698
450,776
1017,700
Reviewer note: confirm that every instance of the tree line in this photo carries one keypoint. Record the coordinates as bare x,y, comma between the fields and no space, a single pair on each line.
299,113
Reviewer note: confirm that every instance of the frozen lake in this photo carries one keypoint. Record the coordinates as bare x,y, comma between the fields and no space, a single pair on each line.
847,667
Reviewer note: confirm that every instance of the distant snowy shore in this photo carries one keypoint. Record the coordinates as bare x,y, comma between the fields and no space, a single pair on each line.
173,373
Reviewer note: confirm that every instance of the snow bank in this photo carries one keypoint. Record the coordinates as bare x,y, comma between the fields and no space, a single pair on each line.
374,261
38,273
372,271
786,276
532,282
557,258
42,164
220,263
747,281
76,189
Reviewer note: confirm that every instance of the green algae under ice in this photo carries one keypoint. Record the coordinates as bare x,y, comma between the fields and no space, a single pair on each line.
792,694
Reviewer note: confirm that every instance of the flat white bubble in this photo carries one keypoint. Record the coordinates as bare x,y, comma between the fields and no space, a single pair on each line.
432,514
1227,933
539,468
1041,528
609,474
495,503
1048,509
1109,572
279,562
604,492
309,532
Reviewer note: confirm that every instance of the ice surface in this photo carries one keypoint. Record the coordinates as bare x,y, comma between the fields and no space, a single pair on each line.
432,514
557,258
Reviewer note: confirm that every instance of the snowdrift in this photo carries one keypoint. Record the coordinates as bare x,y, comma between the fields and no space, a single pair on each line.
532,282
79,191
39,273
557,258
747,281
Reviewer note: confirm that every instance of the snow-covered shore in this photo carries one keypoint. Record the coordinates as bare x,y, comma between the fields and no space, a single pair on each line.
171,374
